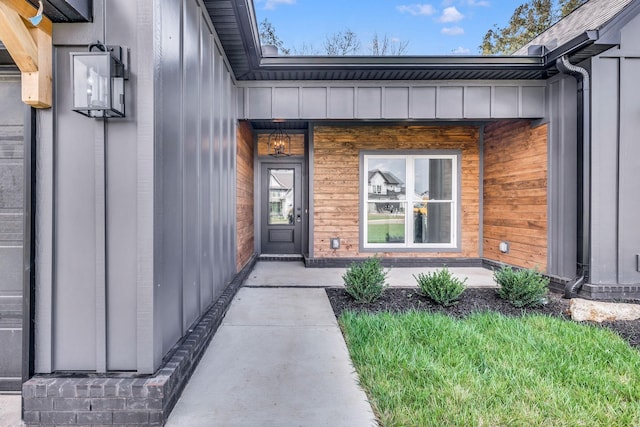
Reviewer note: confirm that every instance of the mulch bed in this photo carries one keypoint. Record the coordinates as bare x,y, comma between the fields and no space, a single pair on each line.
399,300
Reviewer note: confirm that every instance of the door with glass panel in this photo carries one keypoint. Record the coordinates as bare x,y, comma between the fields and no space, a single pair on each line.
281,209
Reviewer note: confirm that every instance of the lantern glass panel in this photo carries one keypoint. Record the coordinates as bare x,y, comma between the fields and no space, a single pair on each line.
98,84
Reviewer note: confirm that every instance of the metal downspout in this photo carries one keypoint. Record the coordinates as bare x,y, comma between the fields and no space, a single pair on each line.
584,114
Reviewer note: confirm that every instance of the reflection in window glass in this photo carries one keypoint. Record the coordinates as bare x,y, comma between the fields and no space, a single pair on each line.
432,223
385,222
386,195
281,196
427,184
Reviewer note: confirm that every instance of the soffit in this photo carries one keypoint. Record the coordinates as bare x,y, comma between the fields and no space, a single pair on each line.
67,10
235,24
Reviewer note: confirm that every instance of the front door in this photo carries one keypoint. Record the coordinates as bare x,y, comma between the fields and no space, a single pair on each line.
281,210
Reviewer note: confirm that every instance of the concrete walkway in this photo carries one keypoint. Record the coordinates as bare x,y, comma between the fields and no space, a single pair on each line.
278,359
10,410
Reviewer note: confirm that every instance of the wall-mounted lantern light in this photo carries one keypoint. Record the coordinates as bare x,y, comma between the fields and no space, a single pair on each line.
279,143
98,81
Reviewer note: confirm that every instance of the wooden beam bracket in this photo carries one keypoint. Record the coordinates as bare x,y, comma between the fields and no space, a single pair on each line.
31,49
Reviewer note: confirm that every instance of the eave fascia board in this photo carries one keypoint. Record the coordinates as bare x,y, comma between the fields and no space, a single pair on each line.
246,18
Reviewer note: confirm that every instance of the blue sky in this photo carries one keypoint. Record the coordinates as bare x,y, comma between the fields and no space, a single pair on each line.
442,27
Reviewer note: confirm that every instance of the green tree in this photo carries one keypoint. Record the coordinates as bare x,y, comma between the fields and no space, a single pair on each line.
568,6
528,20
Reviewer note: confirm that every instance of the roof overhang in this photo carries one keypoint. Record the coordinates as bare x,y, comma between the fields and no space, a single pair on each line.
67,10
236,26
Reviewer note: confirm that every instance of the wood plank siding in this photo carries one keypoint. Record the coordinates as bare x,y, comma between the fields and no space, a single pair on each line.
336,182
515,193
244,195
297,144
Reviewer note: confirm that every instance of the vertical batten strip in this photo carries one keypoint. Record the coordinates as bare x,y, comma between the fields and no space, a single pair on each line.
100,239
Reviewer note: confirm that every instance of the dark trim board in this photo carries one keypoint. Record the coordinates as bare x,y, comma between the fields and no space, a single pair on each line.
126,399
610,292
395,262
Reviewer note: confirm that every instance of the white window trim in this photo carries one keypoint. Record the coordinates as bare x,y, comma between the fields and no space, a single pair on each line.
410,158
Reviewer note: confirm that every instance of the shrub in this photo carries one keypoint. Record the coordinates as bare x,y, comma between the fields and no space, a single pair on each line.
522,288
441,286
366,280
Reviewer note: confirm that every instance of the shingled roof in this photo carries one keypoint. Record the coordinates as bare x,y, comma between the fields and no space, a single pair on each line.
592,15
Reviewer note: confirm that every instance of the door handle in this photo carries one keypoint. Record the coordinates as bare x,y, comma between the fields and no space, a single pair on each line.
298,219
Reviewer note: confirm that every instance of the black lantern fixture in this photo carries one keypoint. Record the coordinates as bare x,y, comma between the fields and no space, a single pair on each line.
98,81
279,143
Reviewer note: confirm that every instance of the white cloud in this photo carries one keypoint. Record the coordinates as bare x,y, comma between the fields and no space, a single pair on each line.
481,3
417,9
451,14
272,4
452,31
461,51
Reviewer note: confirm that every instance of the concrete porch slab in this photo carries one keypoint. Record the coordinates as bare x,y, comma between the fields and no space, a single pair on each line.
293,273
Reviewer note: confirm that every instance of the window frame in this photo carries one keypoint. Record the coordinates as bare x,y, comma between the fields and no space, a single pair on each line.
410,156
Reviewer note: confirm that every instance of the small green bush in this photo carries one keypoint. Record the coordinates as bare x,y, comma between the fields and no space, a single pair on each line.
441,286
523,288
366,280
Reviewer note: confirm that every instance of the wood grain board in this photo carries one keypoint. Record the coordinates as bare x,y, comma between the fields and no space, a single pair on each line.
515,193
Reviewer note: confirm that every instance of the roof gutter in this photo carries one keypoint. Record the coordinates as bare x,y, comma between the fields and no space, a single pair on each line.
575,45
402,62
584,181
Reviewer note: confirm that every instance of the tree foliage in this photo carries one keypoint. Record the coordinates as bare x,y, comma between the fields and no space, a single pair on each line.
268,36
528,20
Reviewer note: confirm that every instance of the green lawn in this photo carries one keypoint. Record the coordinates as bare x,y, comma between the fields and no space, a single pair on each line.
377,233
422,369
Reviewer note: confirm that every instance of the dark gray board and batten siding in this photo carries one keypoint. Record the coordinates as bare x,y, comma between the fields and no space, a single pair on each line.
133,245
413,100
615,201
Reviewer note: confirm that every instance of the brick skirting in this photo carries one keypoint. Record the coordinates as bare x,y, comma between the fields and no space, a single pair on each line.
121,399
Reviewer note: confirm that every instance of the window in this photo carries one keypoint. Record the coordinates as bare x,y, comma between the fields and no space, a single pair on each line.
411,201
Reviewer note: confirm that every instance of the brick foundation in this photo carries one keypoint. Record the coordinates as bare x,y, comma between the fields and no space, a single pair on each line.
121,399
